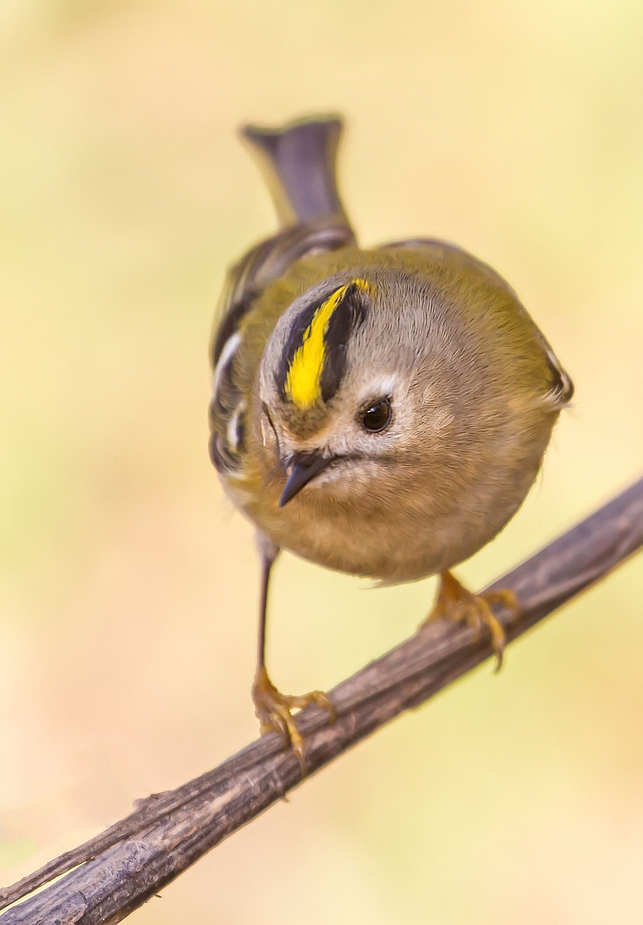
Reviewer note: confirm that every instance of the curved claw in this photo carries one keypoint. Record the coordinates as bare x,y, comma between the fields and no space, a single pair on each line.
456,603
273,710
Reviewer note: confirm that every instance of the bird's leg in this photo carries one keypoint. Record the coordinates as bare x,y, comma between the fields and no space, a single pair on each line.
456,603
274,709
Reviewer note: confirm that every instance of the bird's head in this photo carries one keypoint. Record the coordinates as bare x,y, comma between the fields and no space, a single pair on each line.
350,400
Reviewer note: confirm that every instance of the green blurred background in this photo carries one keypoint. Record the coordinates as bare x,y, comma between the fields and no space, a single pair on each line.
128,585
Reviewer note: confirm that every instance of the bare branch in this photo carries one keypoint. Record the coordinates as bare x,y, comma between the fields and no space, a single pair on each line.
132,860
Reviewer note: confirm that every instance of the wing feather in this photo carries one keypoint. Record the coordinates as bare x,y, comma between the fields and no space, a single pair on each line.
262,265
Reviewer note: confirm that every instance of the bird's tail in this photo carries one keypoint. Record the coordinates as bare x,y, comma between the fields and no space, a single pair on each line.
299,164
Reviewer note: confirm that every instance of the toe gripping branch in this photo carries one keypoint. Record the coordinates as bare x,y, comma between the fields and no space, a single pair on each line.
455,603
274,712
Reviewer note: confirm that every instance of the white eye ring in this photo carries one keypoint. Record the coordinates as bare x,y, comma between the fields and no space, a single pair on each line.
382,387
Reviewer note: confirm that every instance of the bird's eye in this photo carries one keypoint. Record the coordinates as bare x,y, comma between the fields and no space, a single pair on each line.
376,415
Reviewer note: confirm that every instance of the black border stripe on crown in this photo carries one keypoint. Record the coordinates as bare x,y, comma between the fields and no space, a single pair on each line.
349,314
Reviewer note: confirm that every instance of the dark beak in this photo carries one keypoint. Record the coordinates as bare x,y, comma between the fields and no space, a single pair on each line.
303,467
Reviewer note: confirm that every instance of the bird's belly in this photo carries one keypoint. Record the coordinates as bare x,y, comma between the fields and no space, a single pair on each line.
374,554
376,548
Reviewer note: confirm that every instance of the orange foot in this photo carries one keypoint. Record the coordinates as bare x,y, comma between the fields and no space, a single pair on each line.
273,710
456,603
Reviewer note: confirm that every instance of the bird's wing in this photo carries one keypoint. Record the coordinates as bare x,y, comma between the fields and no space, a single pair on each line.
262,265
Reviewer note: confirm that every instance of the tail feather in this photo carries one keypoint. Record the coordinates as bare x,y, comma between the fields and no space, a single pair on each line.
299,165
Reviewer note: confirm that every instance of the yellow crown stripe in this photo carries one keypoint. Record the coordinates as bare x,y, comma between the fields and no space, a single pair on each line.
303,384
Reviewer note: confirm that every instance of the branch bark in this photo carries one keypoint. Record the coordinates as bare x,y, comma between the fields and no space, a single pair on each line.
117,871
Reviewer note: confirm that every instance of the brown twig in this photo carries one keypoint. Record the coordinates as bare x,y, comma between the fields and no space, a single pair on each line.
122,867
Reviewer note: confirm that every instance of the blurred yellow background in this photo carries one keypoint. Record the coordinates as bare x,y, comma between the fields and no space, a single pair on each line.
128,585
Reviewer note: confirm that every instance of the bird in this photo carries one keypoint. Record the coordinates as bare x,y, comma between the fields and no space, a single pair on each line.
380,411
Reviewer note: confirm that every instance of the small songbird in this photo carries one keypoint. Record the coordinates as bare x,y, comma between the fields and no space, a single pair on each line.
380,411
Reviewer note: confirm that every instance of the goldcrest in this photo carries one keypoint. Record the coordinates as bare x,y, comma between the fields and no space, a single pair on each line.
380,411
